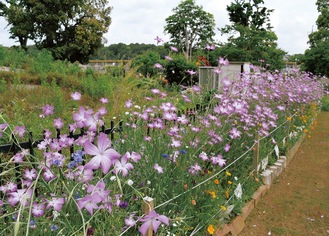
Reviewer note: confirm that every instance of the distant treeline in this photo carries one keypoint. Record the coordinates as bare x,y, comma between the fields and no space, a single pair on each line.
123,51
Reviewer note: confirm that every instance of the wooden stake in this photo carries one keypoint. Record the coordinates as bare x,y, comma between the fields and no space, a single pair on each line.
147,207
256,154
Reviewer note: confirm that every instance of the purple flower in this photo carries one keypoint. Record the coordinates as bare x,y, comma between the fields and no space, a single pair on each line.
20,131
155,91
56,203
76,96
104,155
53,228
158,168
130,221
21,195
158,39
168,58
100,189
235,133
158,65
203,156
48,110
30,174
2,128
227,147
104,100
218,160
123,166
129,103
38,209
194,169
223,62
210,47
58,123
152,219
123,204
89,202
191,72
174,49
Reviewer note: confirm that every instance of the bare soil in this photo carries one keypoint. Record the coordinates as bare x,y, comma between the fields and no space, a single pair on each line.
298,202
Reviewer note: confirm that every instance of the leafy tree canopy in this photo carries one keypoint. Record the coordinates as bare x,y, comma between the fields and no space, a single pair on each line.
190,27
250,35
316,58
71,29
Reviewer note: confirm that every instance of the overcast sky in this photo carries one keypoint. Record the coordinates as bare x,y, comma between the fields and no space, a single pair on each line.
140,21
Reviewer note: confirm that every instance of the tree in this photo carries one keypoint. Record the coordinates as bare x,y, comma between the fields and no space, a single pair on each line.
70,29
316,58
190,27
250,35
21,22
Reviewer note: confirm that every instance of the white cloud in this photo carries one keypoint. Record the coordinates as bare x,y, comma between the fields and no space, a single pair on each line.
141,21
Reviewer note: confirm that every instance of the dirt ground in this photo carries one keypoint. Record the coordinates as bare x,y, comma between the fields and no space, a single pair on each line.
298,202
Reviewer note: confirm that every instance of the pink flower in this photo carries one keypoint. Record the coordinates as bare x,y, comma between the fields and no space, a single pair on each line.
168,58
38,209
158,39
158,65
191,72
104,100
203,156
174,49
235,133
129,103
56,203
194,169
89,202
58,123
155,91
130,221
218,160
2,128
103,155
123,166
20,131
30,174
153,219
100,189
210,47
223,62
48,110
76,96
22,196
158,168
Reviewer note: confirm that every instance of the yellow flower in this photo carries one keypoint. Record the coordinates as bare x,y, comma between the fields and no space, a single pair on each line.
229,182
211,229
288,118
227,193
223,208
216,181
213,194
228,173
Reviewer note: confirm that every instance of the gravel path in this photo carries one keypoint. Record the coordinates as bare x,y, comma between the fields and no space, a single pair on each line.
298,202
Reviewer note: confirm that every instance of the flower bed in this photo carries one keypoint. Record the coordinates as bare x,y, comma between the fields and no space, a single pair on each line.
199,166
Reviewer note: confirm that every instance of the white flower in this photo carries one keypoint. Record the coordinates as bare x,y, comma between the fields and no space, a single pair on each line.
113,178
130,182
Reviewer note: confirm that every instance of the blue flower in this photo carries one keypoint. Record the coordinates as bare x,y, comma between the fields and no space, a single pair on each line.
71,165
183,151
78,156
53,227
165,155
